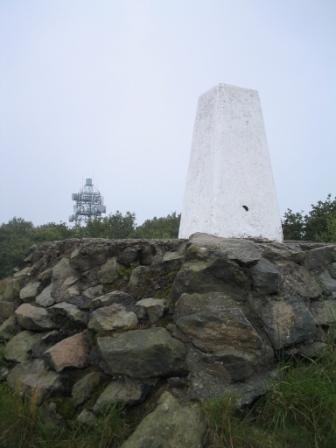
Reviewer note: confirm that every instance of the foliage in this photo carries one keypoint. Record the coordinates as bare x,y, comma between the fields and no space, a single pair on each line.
15,239
318,225
298,412
165,227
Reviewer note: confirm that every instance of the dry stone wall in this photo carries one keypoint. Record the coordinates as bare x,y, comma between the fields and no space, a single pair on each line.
172,322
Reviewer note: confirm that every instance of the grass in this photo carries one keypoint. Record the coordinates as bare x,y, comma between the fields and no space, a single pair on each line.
22,426
298,412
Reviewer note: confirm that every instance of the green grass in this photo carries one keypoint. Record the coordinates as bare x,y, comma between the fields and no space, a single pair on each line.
298,412
22,426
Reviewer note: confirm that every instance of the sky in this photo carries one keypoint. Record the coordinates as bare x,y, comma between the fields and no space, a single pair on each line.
108,89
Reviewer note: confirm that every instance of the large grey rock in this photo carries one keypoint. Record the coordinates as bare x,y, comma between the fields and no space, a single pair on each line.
45,298
119,392
84,387
266,277
19,348
286,321
241,250
32,379
113,317
32,317
170,425
216,325
30,291
152,309
70,352
142,353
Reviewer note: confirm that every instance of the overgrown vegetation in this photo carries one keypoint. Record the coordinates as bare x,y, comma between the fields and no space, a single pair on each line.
23,425
318,225
298,412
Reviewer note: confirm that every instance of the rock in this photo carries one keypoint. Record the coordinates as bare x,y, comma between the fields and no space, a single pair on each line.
213,274
152,309
32,379
62,270
70,352
87,418
30,291
242,250
113,317
128,256
45,298
208,377
114,297
170,425
297,281
63,281
108,273
94,291
312,350
66,315
6,309
332,270
19,348
152,281
89,255
124,393
83,388
286,321
319,258
215,325
266,277
142,353
32,317
324,312
8,328
328,282
24,274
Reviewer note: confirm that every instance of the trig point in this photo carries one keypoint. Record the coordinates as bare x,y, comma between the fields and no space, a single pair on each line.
230,190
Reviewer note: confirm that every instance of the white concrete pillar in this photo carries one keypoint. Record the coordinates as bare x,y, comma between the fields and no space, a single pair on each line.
230,190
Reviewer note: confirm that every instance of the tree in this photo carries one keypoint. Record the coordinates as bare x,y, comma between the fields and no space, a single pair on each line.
165,227
293,225
16,237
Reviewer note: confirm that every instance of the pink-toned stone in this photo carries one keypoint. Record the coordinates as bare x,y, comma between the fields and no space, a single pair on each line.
70,352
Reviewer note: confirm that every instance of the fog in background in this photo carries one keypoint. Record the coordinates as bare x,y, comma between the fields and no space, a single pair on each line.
108,89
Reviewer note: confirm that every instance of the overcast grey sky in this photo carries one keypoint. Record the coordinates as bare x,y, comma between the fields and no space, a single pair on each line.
108,89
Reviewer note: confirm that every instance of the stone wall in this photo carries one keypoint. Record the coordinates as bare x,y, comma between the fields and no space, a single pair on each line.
171,322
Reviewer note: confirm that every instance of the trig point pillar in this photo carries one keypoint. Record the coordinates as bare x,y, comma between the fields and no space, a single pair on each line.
230,190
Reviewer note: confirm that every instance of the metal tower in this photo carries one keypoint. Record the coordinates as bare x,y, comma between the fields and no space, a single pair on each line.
89,204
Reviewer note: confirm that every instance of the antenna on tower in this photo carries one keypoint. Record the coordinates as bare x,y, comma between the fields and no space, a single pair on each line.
89,204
